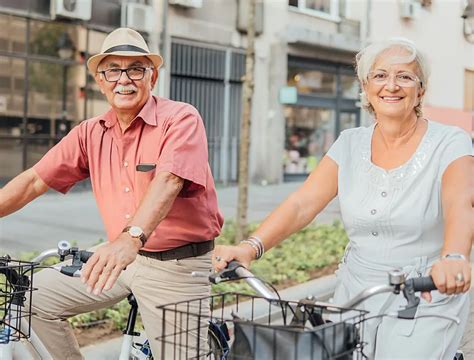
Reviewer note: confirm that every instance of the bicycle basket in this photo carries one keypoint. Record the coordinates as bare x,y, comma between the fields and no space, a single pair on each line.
15,287
252,327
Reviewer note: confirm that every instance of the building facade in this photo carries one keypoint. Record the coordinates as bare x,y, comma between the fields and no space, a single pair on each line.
44,87
303,47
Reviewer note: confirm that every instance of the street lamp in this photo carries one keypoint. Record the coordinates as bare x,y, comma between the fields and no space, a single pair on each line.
66,49
468,22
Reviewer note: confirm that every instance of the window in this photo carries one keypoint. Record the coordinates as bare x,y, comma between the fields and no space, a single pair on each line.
317,7
309,134
12,36
349,86
312,81
469,90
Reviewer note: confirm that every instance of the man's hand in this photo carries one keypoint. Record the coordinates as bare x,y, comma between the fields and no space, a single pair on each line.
104,267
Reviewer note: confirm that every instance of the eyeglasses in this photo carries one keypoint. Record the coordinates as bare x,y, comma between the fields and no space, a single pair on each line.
404,79
133,73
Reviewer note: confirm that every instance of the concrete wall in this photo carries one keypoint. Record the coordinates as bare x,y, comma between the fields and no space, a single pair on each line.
438,33
268,123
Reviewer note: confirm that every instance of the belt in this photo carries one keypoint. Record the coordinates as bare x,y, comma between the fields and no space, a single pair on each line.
182,252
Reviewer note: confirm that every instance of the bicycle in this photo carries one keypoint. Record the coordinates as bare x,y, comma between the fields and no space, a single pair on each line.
17,339
285,329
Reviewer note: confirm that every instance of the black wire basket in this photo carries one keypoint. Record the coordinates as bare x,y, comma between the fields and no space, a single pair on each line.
16,287
252,327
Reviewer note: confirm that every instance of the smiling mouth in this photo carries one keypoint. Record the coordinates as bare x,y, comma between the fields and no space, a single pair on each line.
391,98
125,92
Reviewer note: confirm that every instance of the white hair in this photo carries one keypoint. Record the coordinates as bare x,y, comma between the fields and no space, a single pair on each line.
367,57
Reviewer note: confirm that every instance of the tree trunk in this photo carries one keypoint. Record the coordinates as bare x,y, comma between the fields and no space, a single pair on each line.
247,94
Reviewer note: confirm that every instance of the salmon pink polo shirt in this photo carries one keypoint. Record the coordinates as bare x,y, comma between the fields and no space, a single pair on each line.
166,136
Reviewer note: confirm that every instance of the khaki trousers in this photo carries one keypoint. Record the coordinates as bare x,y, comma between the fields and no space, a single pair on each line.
153,283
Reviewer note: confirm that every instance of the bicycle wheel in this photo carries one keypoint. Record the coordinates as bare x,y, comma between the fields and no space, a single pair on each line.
217,338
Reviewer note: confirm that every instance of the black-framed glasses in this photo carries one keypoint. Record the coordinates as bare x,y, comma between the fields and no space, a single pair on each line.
133,73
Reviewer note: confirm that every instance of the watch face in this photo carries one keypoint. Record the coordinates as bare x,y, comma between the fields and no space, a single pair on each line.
135,231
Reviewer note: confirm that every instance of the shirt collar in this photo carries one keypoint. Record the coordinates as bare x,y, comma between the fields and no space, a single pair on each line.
147,114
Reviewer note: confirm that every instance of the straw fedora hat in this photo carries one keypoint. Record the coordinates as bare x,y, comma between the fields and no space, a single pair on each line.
123,42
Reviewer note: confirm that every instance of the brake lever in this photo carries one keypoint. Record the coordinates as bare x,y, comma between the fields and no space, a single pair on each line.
413,301
69,270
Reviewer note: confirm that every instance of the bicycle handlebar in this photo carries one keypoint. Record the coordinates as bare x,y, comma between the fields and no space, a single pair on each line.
397,283
236,271
64,249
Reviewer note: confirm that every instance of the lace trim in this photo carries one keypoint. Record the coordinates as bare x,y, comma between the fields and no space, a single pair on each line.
400,174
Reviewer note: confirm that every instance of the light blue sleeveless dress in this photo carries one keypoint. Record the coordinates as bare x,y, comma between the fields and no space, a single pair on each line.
394,219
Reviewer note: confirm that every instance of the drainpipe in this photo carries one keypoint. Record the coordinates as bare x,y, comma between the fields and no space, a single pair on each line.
162,79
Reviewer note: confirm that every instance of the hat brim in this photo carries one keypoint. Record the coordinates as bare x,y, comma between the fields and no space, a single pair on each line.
95,60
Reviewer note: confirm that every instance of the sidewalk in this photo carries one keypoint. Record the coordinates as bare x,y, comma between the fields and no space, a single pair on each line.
74,217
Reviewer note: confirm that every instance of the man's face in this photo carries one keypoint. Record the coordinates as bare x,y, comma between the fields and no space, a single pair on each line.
123,93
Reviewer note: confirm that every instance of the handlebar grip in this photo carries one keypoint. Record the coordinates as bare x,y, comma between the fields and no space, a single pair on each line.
424,283
227,273
234,264
85,255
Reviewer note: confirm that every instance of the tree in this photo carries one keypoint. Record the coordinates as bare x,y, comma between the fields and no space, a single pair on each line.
247,94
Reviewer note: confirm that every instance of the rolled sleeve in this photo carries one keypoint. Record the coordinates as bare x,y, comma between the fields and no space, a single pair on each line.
184,153
65,164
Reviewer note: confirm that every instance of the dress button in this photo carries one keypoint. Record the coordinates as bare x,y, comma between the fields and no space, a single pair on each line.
384,194
125,163
127,216
375,233
373,211
127,189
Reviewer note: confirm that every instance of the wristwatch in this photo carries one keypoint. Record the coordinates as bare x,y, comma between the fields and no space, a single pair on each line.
136,232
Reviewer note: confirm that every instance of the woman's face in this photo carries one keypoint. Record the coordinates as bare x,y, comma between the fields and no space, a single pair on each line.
393,89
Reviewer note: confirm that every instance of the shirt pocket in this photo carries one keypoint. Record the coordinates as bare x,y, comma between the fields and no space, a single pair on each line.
143,178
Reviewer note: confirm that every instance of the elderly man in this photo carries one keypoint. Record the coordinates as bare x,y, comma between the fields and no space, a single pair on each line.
147,161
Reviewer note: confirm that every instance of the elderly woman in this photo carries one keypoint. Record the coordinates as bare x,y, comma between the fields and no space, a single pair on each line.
405,193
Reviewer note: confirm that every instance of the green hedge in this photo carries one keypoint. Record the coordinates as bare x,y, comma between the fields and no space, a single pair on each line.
293,260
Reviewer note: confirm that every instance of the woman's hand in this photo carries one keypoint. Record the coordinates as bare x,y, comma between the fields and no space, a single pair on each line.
451,276
223,254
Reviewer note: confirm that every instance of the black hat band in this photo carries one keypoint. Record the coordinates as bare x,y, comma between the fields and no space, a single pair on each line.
126,48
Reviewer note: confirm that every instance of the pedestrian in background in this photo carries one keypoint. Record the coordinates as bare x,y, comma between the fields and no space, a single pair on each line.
405,193
148,164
